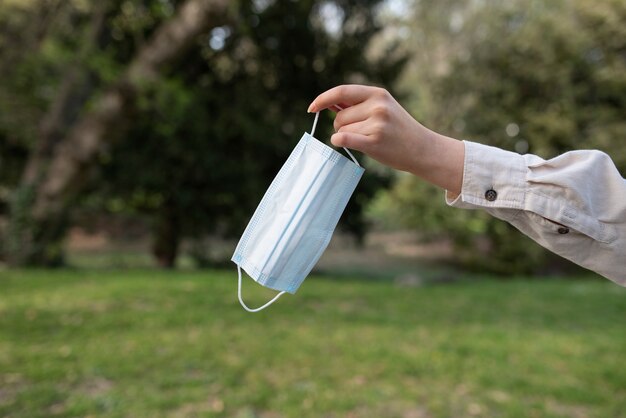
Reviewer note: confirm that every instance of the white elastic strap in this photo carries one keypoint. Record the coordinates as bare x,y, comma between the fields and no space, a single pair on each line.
241,300
317,116
351,156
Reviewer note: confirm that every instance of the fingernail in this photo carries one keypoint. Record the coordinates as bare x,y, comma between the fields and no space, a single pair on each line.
310,109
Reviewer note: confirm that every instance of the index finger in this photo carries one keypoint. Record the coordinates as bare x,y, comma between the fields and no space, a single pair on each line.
345,95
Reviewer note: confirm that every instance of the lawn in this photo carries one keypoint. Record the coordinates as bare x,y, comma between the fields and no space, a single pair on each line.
145,343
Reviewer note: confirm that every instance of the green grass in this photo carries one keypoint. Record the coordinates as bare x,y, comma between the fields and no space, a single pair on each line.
154,344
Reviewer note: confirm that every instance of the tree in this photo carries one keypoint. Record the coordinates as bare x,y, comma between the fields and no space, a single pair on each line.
217,127
58,167
201,108
529,77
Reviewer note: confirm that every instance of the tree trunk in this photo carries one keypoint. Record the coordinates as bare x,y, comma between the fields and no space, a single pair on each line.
166,235
74,91
47,189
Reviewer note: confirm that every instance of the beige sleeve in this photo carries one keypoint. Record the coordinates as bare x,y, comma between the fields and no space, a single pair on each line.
573,204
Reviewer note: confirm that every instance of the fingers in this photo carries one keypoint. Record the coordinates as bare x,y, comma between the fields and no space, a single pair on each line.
350,140
339,107
351,115
346,95
362,127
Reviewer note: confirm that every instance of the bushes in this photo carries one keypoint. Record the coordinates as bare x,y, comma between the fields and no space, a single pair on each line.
524,76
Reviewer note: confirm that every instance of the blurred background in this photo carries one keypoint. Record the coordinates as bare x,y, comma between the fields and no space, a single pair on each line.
138,136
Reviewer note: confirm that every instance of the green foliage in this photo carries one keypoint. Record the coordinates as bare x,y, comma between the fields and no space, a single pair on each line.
23,232
526,76
21,96
19,230
45,47
150,344
210,135
204,139
557,72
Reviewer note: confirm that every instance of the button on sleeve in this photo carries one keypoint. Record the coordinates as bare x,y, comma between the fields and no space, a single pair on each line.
492,177
491,195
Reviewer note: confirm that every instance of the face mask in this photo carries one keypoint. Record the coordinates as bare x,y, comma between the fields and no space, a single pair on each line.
295,220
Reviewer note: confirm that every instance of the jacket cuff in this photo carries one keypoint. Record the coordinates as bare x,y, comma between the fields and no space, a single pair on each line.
492,178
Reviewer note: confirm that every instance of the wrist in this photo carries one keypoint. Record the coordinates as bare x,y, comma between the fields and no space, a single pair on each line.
439,160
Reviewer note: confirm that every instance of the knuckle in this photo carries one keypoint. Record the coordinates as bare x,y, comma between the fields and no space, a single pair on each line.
376,138
382,93
342,90
381,112
378,133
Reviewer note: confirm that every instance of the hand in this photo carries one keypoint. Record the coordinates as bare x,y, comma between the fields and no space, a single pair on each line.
373,122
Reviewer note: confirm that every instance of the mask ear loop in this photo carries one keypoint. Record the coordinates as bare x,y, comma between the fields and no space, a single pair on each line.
241,300
317,116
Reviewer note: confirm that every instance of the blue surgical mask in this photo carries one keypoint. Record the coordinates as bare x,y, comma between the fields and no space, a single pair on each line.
295,220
